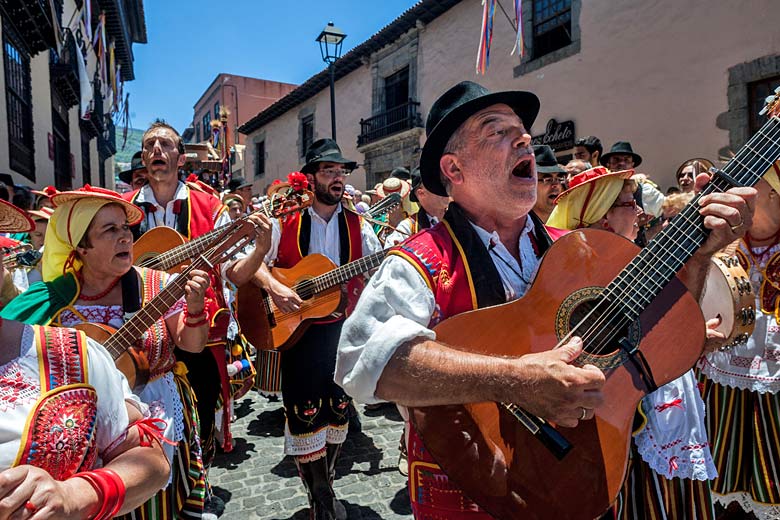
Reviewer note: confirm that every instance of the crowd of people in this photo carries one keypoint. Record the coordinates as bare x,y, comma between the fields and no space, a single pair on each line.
131,426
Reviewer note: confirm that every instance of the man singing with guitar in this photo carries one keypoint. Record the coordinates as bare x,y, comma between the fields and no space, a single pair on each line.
484,253
316,408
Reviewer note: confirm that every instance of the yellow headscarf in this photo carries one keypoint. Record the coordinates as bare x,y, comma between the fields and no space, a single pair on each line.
772,176
67,226
587,201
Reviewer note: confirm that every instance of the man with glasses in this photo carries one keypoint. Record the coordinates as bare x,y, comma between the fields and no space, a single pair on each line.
315,406
551,178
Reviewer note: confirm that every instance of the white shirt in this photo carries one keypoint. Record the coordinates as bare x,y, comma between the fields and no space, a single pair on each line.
324,237
396,307
165,216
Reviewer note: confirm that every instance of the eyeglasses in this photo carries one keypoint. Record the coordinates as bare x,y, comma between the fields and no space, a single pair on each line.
336,172
629,204
555,179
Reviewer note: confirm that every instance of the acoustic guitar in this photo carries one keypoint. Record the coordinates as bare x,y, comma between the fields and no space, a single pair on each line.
165,249
639,325
316,280
121,343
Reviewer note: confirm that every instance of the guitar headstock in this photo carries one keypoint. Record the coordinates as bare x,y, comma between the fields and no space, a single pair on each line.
772,104
289,197
387,204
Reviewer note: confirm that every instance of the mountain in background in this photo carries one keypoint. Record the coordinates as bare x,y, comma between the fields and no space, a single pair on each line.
133,144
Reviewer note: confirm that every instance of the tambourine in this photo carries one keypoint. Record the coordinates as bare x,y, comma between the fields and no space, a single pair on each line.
728,295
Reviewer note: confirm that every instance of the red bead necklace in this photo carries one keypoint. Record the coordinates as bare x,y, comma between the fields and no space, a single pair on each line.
86,298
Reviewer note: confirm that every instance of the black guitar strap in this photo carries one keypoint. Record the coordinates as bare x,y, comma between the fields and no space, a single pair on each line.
131,297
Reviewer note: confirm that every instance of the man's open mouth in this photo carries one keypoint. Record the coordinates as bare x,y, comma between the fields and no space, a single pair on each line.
123,255
158,162
523,169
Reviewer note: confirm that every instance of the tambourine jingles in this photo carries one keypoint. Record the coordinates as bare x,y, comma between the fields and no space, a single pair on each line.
728,294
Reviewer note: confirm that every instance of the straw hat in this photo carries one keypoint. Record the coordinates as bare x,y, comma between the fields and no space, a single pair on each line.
588,177
40,214
13,219
393,185
134,213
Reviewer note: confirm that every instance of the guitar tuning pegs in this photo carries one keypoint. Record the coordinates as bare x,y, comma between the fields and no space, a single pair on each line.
777,90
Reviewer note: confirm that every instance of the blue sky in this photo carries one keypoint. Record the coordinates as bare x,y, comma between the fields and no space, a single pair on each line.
192,41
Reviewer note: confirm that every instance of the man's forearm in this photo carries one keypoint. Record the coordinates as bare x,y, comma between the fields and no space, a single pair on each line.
242,271
694,274
428,373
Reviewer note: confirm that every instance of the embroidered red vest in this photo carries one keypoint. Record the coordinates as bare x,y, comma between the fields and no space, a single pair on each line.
294,242
439,257
61,429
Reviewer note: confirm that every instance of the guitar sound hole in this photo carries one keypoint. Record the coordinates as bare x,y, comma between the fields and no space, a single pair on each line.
304,289
601,329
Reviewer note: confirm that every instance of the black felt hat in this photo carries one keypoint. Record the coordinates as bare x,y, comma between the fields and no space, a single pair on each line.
452,109
621,148
546,162
401,173
136,163
325,150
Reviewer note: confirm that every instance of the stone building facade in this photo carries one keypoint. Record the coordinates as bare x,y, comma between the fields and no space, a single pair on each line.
676,78
43,138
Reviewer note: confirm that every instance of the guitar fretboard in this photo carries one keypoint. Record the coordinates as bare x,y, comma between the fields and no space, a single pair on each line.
340,275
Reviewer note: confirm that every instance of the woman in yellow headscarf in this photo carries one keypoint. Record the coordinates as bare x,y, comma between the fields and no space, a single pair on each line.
89,277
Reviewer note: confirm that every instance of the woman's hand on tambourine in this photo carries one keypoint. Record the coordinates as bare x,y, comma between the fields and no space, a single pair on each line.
715,339
28,492
195,291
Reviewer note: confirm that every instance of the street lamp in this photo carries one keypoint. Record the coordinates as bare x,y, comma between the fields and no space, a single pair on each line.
330,40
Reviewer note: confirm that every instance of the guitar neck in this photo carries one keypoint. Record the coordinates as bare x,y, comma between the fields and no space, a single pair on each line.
339,275
146,316
644,278
193,248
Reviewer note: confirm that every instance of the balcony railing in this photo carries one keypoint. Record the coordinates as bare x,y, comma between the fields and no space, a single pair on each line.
403,117
65,71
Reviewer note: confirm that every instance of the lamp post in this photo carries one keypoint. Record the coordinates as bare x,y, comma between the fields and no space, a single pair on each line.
330,40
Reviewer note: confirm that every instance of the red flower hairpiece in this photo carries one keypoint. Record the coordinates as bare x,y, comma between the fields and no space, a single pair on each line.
192,178
297,181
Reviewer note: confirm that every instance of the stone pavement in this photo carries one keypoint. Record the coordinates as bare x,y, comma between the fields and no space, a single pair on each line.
257,481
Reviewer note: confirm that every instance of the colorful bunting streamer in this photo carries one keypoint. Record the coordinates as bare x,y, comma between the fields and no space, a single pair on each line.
519,44
486,36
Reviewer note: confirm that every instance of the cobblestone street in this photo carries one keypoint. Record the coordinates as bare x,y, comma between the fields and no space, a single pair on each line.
257,481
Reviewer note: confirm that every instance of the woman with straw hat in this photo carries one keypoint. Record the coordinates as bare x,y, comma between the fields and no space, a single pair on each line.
88,276
63,405
671,463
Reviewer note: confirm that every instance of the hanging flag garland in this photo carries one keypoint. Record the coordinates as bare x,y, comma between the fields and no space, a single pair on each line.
486,33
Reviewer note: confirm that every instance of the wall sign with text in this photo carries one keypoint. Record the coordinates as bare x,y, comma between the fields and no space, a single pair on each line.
558,136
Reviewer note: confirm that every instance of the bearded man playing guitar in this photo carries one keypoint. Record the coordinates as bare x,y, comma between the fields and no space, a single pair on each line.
316,408
484,253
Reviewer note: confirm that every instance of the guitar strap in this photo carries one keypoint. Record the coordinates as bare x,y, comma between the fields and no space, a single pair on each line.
131,297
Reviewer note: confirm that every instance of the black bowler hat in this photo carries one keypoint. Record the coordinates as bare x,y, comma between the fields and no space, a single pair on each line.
236,183
136,163
416,183
546,162
621,148
452,109
325,150
400,173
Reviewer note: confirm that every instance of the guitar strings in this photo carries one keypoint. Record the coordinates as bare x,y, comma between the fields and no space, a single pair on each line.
657,245
676,233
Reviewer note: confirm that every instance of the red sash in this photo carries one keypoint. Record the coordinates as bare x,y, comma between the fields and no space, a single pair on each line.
60,433
294,242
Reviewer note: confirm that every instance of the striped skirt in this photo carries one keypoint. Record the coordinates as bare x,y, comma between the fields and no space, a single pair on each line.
744,429
649,496
269,372
184,497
